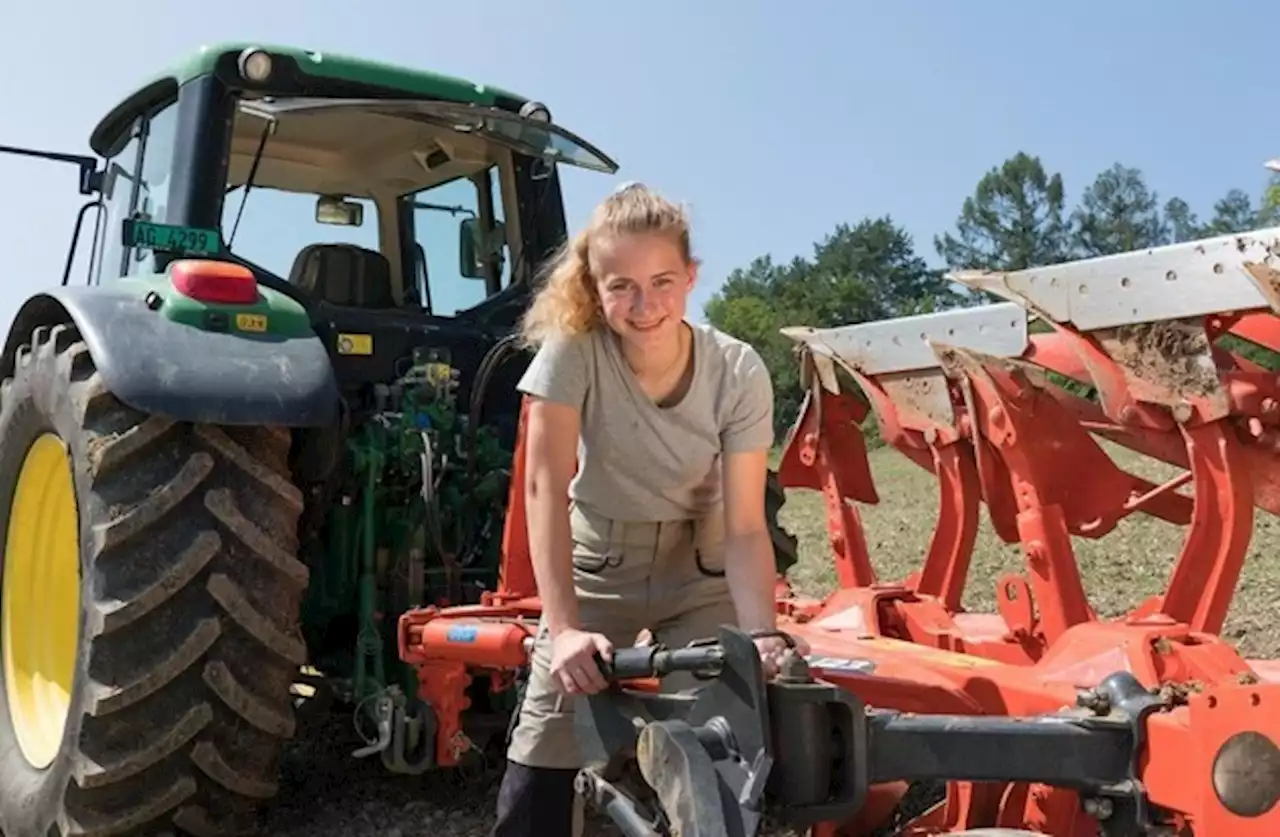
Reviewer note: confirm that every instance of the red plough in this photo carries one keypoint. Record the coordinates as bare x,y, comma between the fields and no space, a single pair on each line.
991,430
989,408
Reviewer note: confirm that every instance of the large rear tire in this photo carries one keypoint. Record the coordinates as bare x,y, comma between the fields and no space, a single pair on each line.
178,609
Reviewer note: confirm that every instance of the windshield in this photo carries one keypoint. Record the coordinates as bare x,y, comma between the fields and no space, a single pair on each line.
408,184
276,225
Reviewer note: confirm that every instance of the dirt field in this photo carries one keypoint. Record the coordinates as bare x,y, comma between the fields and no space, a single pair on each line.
324,792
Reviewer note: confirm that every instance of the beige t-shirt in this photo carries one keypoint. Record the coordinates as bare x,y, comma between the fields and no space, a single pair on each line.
641,462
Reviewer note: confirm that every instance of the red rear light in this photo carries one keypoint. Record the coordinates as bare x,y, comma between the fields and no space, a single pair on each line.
210,281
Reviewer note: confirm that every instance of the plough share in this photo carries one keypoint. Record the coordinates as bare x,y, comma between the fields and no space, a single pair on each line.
1042,717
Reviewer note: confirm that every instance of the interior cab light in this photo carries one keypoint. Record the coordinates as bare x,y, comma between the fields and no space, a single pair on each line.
206,280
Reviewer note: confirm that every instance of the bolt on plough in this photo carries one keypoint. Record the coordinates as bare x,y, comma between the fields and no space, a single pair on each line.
1041,717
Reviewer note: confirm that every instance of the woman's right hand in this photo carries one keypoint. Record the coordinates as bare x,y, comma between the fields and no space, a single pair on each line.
573,665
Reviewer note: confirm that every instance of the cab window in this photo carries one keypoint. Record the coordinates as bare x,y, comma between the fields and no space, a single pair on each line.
276,225
137,185
432,220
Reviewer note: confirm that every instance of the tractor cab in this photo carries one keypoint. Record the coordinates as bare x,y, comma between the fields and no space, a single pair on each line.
403,212
389,203
396,207
350,183
402,205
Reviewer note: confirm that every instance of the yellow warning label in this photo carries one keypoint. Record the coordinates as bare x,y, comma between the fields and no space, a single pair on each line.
937,655
251,322
355,344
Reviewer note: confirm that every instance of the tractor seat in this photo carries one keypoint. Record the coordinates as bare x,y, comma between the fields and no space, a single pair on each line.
345,275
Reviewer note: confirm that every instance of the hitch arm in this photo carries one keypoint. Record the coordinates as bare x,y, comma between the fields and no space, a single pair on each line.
712,761
621,808
707,759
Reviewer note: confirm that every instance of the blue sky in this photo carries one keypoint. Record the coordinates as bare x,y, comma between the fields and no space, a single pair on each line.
773,121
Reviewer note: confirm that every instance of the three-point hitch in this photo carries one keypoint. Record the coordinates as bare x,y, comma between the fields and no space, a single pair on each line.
714,762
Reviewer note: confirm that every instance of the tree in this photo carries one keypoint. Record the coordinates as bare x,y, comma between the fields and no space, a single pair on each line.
1117,213
879,258
748,306
1269,211
1014,220
1181,221
1233,213
859,272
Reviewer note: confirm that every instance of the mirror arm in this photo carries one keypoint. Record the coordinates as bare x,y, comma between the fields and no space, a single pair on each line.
439,207
90,174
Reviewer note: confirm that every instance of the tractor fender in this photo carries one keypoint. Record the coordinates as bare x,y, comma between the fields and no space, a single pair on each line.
162,367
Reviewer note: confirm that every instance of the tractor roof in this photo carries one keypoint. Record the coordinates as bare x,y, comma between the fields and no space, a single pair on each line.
348,68
315,63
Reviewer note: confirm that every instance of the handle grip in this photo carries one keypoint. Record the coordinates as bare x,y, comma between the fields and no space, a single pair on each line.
630,663
658,661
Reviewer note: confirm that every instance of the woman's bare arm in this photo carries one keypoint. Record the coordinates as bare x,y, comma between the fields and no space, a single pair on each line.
551,461
750,568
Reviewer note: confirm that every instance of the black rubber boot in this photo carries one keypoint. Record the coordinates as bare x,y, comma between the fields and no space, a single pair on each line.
535,802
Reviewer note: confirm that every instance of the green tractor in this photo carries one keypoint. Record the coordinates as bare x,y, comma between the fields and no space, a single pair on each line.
275,409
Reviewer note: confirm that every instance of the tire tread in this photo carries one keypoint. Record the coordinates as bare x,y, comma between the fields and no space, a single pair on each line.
193,599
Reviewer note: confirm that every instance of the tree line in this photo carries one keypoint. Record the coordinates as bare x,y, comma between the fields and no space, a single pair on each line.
1016,218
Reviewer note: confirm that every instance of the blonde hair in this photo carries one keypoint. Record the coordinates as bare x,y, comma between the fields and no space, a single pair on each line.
567,303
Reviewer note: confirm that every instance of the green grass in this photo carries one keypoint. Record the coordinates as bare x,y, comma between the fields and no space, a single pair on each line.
1119,570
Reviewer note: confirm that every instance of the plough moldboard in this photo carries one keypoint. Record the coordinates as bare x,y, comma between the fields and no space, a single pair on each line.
1041,715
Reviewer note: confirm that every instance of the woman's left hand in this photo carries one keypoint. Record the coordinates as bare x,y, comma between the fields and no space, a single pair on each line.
771,650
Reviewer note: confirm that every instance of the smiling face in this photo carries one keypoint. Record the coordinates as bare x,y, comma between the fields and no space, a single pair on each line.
643,281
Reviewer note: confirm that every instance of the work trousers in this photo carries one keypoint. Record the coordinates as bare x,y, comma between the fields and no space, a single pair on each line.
667,578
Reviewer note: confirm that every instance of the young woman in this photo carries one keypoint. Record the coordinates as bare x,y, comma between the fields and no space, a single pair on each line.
647,441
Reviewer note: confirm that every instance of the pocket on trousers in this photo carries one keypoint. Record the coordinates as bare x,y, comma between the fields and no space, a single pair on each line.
708,545
710,562
595,549
593,564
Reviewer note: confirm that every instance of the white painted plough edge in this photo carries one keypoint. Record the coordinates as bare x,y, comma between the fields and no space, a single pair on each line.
904,344
1190,279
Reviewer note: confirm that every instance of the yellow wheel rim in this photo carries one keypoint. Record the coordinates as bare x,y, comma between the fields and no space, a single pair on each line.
40,601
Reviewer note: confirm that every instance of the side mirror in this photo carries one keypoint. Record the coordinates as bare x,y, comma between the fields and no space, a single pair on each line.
476,248
338,211
469,265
